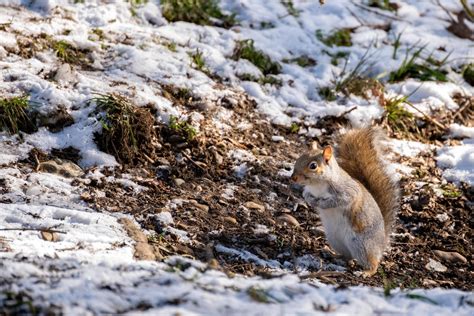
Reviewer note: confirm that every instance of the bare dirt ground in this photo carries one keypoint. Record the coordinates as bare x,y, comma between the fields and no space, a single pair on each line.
196,181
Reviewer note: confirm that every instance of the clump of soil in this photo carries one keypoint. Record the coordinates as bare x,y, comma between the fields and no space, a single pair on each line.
127,130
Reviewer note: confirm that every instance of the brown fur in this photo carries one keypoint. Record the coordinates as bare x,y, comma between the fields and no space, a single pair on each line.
359,154
357,222
373,265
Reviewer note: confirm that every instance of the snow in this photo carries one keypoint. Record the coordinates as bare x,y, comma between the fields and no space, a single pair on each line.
91,268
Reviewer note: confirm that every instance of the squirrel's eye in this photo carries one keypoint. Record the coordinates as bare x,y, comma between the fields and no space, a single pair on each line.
312,166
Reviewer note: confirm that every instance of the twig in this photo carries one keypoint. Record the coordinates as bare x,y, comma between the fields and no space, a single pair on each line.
362,23
432,120
461,109
445,11
347,112
192,161
377,12
36,229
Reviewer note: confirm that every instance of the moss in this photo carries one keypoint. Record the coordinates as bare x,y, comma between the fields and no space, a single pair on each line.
202,12
245,49
294,128
341,37
273,80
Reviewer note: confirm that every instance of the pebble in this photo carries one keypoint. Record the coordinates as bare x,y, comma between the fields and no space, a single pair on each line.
64,74
277,138
450,256
178,182
200,206
230,220
255,206
288,219
434,265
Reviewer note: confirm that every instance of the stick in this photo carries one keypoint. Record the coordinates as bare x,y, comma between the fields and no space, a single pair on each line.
36,229
432,120
378,13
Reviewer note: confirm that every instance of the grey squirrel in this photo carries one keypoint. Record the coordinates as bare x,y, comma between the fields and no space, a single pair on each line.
357,198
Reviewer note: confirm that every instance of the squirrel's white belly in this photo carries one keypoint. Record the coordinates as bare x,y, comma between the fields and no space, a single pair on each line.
338,230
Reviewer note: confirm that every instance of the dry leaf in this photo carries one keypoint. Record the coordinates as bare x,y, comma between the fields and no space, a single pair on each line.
49,236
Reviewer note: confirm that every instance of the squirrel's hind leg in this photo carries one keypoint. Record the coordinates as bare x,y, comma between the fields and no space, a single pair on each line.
372,264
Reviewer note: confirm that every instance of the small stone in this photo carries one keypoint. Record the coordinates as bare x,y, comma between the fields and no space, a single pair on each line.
277,138
199,206
434,265
288,219
230,220
255,206
64,74
49,236
178,182
450,256
429,282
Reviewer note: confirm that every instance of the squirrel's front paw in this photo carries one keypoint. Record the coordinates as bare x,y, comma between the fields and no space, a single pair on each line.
310,199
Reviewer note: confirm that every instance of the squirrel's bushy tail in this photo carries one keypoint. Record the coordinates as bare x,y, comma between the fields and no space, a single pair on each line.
359,153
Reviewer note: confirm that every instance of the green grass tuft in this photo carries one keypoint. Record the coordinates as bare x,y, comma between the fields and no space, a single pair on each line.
302,61
127,130
426,71
245,49
183,128
198,60
13,114
202,12
468,74
68,53
327,93
383,4
291,8
294,128
341,37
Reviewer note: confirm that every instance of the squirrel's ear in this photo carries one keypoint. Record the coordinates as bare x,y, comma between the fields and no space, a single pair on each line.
327,153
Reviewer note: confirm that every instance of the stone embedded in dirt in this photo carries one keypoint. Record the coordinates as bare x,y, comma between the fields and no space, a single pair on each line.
434,265
178,181
288,219
143,250
61,167
255,206
200,206
450,256
230,220
429,282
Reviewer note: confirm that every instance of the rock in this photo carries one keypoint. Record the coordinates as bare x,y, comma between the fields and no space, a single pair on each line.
164,218
255,206
178,181
277,138
230,220
61,167
450,256
49,236
434,265
199,206
288,219
65,74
